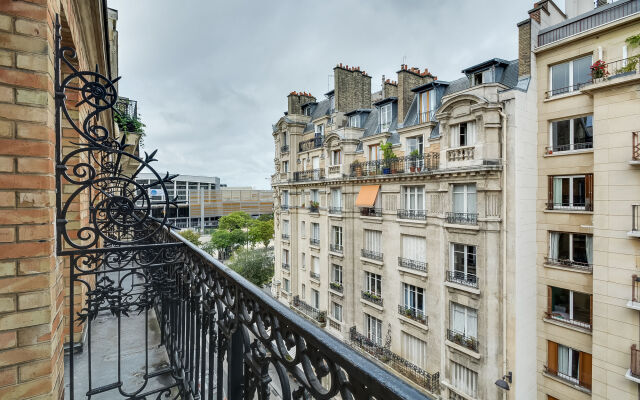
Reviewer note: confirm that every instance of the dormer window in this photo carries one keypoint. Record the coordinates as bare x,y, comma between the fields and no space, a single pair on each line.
385,117
354,121
307,111
481,77
427,106
319,130
332,104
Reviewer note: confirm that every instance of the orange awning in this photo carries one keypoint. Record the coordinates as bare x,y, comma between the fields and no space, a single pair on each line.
367,196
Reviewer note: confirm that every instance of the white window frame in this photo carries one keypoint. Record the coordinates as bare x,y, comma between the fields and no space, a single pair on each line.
570,354
469,315
336,235
303,263
336,273
373,328
336,198
285,166
319,130
285,226
572,142
315,231
373,240
413,295
285,197
466,193
336,311
470,135
334,158
315,298
373,283
285,256
314,195
571,83
286,285
386,117
315,264
417,194
354,121
415,143
570,205
571,234
467,248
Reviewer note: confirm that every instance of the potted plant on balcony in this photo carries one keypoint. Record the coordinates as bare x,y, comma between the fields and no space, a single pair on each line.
415,154
389,157
313,206
599,70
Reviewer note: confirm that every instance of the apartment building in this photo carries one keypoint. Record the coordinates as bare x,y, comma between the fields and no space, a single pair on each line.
392,226
587,245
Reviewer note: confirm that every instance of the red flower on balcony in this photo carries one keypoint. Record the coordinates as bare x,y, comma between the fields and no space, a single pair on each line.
599,70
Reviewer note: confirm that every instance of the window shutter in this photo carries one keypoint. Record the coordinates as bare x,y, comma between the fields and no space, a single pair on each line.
585,370
549,397
588,183
550,193
552,357
549,299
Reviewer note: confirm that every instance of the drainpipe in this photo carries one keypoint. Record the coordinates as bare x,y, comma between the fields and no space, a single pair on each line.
503,116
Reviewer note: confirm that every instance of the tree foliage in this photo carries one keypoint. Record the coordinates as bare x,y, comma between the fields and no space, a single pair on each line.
261,232
235,220
191,236
265,217
256,265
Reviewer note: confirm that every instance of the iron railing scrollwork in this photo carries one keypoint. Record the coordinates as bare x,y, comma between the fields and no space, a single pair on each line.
223,336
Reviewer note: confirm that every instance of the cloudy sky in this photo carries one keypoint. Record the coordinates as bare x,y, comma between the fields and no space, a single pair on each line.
211,77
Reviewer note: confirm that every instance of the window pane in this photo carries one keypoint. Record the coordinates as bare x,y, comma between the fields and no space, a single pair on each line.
561,135
560,78
471,260
583,132
579,192
581,71
563,246
580,248
560,302
563,359
582,307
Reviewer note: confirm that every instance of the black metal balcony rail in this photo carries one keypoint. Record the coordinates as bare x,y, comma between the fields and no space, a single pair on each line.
568,206
430,382
635,149
635,217
223,335
371,254
309,310
428,116
635,361
314,275
370,212
568,147
592,20
460,338
412,214
314,208
371,297
284,149
400,165
311,144
334,169
635,288
462,218
562,317
335,210
412,313
560,262
461,278
337,248
284,206
412,264
337,286
285,236
127,107
568,379
286,266
308,175
564,90
314,242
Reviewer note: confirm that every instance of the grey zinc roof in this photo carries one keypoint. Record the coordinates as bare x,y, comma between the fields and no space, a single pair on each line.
321,109
509,79
412,113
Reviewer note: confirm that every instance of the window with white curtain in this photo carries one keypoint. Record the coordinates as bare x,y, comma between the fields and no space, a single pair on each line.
568,363
316,264
464,379
414,350
373,328
336,273
336,198
465,198
414,248
413,198
373,240
413,297
336,236
373,283
315,231
463,134
569,191
571,247
385,117
464,320
336,311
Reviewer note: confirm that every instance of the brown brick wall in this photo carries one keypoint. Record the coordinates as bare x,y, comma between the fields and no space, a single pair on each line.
352,88
524,48
409,78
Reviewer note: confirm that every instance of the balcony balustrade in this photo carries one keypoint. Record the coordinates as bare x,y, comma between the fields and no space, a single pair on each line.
460,154
335,325
371,254
412,214
564,318
285,236
336,248
337,286
335,210
334,169
462,218
311,144
460,338
420,266
286,266
314,275
412,313
309,175
427,381
309,311
461,278
314,242
371,297
577,265
401,165
370,212
284,149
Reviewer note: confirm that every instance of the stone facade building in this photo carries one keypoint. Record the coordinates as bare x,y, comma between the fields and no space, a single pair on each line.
392,225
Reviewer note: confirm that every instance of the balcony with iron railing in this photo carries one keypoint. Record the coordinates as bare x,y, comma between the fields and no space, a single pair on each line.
311,144
635,148
370,212
310,312
565,319
461,339
571,264
428,381
309,175
285,236
462,278
462,218
634,303
335,210
570,206
371,254
395,166
286,266
413,314
336,286
633,373
561,148
314,275
418,215
415,265
427,117
371,297
334,169
284,149
314,241
336,248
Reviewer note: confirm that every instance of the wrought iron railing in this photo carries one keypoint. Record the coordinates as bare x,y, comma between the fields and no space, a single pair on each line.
314,208
635,361
570,206
428,381
559,148
567,89
309,175
412,313
314,275
566,378
314,242
371,254
412,264
309,310
337,286
460,338
635,149
617,10
462,278
560,262
284,207
428,116
371,297
399,165
285,236
311,144
337,248
462,218
635,218
370,212
564,318
412,214
223,335
335,210
286,266
335,325
334,169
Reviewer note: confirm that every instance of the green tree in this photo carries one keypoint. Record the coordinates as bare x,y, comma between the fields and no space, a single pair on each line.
191,236
261,231
225,241
256,265
235,220
265,217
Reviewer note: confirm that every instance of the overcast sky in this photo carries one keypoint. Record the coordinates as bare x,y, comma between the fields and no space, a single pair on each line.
211,77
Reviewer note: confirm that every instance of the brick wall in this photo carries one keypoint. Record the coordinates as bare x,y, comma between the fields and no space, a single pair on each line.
409,78
352,88
524,48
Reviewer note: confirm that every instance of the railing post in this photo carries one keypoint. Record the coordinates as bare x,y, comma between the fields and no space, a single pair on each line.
235,362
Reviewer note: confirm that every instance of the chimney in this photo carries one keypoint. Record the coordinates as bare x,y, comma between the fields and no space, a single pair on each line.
408,78
524,47
297,99
352,88
389,88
